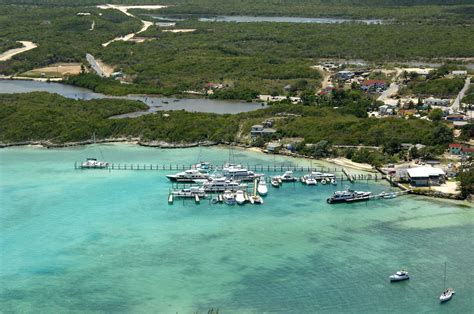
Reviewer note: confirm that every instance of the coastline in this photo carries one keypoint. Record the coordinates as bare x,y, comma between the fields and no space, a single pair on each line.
339,161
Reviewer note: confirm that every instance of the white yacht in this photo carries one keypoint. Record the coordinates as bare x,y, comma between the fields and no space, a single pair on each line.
190,175
262,187
92,163
321,175
229,198
348,195
240,197
203,166
191,192
275,182
238,172
399,276
308,180
220,184
288,177
447,295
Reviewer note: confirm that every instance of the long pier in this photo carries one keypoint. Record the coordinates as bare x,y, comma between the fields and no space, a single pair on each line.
182,167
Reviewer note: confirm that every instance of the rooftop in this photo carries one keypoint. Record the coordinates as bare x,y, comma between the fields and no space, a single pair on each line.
424,172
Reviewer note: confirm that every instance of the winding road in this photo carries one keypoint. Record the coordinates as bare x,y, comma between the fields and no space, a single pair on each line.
27,45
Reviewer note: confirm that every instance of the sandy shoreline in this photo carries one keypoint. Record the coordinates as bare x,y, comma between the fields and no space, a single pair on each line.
165,145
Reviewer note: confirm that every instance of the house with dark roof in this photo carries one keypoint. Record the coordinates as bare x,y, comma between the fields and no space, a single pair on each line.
373,84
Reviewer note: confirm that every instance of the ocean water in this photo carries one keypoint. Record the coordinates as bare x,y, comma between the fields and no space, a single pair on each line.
107,241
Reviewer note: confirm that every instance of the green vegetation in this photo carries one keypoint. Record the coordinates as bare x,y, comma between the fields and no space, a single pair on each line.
42,116
469,97
442,87
6,44
246,57
466,179
61,35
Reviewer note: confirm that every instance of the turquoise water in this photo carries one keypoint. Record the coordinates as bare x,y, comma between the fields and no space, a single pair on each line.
100,241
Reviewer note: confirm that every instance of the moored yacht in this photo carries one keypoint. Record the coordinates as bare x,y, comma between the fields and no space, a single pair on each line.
190,175
92,163
220,184
262,187
238,172
348,195
240,197
229,198
203,166
288,177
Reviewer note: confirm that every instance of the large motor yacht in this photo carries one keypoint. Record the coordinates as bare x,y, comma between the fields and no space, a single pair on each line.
348,195
190,175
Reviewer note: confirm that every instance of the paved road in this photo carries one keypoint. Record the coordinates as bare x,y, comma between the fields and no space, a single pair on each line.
457,102
90,58
391,90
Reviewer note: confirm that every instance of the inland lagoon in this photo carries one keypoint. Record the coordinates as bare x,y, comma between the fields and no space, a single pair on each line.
107,241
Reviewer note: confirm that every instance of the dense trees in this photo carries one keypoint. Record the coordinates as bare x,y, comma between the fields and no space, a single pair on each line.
442,87
41,116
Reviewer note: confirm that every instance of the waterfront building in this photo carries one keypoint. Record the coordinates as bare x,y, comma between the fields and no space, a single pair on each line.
426,176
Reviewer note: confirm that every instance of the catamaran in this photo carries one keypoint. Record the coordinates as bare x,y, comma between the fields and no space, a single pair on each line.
93,163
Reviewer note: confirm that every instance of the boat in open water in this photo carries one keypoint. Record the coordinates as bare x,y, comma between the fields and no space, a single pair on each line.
348,196
447,293
399,276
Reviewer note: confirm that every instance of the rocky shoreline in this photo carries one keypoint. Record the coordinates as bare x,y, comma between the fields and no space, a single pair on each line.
138,141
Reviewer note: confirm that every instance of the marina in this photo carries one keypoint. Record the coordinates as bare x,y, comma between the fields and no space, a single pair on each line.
70,230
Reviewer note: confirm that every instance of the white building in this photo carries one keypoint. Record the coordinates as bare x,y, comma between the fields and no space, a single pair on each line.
436,102
426,176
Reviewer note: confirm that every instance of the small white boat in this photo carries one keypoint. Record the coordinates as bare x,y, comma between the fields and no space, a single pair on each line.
323,181
310,181
447,295
333,181
262,187
388,195
229,198
240,197
399,276
288,177
275,182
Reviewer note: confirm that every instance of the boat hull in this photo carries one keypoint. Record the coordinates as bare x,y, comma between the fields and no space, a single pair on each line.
336,201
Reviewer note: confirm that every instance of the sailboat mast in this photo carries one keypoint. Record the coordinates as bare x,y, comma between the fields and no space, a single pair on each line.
444,276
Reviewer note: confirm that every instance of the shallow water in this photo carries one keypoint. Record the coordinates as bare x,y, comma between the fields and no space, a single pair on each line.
155,103
286,19
75,240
